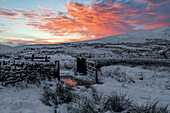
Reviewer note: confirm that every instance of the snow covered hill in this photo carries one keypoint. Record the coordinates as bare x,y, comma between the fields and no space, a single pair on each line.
145,83
4,48
137,37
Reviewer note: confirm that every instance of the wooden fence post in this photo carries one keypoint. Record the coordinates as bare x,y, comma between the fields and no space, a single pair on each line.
57,70
46,58
84,67
81,65
32,57
78,64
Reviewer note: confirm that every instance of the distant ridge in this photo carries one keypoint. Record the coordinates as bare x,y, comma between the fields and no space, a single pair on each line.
135,37
2,46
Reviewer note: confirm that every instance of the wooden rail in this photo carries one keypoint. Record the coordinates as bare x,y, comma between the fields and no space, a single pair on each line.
91,67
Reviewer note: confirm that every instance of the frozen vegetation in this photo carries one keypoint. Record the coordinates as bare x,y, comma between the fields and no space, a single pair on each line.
125,88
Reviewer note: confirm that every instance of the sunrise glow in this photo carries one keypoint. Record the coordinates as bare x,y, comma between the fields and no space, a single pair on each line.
54,21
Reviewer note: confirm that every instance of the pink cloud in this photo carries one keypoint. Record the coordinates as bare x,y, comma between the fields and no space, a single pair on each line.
98,19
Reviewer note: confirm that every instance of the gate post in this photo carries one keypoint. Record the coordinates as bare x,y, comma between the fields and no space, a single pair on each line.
46,58
32,57
84,67
57,70
96,72
81,65
78,64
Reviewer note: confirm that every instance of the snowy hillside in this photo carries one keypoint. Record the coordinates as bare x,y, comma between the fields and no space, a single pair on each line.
4,48
28,86
138,37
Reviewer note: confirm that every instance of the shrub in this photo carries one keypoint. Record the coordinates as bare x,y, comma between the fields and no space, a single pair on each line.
85,102
117,102
47,96
82,105
152,107
62,94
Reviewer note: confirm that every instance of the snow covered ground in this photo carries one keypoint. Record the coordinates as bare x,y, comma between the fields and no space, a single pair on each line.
155,85
27,100
143,83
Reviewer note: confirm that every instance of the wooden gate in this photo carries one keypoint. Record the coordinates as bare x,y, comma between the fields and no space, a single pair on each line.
87,67
81,65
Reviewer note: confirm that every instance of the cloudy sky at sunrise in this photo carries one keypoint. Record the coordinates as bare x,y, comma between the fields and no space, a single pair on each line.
55,21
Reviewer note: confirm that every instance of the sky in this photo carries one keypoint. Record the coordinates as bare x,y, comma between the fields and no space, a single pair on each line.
25,22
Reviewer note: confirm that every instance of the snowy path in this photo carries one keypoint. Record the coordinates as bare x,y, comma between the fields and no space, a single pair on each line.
22,101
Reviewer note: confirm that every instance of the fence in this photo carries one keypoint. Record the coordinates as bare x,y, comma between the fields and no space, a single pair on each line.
57,70
92,69
38,58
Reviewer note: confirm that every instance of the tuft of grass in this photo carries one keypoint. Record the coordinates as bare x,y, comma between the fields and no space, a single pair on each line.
89,101
47,96
152,107
82,104
62,94
117,102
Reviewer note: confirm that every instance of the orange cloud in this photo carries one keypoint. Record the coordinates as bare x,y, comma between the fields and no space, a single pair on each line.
3,31
98,19
157,25
7,13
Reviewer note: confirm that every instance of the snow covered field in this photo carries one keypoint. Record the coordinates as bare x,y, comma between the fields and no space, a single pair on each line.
141,82
27,100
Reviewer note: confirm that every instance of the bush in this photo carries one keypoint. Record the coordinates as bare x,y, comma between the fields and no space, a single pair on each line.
62,94
152,107
47,96
88,100
85,102
82,105
117,102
